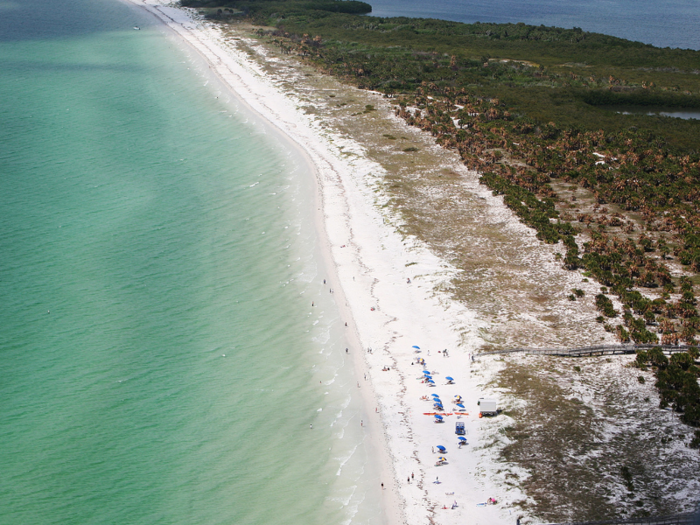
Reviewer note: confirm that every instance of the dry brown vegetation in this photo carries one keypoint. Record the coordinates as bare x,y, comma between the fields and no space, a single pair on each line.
588,441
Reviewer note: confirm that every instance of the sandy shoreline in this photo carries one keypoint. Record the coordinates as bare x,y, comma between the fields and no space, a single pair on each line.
369,267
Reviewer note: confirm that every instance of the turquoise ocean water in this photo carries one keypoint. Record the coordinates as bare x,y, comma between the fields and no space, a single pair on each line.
147,230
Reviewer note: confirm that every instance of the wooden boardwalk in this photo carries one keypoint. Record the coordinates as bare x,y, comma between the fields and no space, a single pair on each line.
585,351
679,519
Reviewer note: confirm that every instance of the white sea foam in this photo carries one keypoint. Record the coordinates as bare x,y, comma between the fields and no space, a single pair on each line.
344,460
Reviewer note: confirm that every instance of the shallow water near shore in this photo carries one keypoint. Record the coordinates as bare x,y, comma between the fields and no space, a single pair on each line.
161,359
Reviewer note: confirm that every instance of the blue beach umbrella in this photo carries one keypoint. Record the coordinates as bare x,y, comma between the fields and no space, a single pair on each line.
460,405
462,438
438,417
434,395
416,347
431,381
441,448
426,372
449,378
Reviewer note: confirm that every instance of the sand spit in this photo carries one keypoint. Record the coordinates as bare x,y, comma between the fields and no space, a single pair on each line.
396,294
371,268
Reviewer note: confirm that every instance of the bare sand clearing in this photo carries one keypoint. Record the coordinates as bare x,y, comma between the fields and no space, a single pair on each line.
386,286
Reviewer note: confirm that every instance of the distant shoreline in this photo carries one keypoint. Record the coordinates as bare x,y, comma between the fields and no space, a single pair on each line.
640,25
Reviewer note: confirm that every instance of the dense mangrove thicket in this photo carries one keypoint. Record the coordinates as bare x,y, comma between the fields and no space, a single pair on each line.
526,107
262,11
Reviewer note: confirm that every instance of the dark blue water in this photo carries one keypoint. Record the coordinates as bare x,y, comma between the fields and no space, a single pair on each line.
673,23
655,110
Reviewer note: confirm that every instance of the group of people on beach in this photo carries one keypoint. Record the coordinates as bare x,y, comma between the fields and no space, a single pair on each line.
419,361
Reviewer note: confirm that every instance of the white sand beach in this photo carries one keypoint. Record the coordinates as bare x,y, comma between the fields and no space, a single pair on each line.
384,285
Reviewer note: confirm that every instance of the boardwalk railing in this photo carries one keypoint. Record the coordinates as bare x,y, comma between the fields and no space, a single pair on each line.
679,519
590,350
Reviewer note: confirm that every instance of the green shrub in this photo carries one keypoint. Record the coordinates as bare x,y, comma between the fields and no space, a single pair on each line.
605,305
695,442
